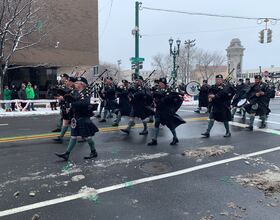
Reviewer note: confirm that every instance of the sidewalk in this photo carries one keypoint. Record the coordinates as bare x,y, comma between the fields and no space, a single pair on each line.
38,112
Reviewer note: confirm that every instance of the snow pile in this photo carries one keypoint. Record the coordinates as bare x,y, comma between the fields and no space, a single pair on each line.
38,112
211,151
267,181
89,193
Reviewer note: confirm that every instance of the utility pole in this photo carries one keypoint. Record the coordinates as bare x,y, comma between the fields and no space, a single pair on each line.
189,44
137,36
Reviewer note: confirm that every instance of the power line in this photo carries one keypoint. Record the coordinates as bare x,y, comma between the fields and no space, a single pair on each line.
203,31
108,18
208,14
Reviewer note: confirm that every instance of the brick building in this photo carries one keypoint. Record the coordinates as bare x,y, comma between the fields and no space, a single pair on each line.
71,44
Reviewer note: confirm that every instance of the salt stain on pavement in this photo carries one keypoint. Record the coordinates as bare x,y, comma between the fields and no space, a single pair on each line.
210,151
268,181
70,169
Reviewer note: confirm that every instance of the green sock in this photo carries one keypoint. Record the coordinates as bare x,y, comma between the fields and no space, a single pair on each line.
252,119
226,124
63,131
210,125
145,125
91,145
71,145
174,133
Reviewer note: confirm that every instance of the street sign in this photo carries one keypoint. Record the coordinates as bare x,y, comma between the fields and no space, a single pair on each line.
134,60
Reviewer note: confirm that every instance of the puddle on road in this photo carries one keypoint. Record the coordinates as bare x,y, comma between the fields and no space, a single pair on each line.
211,151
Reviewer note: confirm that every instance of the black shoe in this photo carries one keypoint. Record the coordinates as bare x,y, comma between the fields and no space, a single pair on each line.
152,143
58,140
206,135
125,131
92,155
249,128
227,135
102,120
197,111
262,126
65,156
115,124
174,141
144,132
56,130
151,121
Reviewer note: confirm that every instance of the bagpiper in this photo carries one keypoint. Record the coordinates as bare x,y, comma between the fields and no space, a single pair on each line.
167,104
220,96
81,125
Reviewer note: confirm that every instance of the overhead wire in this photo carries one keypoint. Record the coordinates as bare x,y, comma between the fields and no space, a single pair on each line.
209,14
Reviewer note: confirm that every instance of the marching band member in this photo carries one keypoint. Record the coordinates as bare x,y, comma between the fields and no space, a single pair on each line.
167,104
81,125
220,96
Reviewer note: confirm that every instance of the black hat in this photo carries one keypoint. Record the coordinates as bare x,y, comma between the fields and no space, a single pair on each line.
219,76
241,80
156,81
258,77
124,81
65,75
109,78
82,79
139,78
247,79
163,80
205,81
72,79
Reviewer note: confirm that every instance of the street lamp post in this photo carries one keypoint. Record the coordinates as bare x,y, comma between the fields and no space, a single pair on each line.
174,52
189,44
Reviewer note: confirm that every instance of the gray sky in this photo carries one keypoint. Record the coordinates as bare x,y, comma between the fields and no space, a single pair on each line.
212,34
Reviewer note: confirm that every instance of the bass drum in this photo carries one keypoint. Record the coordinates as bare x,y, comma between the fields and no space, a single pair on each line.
241,103
192,88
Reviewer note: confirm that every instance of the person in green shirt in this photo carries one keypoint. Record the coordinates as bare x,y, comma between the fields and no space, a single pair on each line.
30,95
7,96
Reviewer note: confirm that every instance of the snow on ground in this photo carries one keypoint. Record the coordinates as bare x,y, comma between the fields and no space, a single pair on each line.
39,111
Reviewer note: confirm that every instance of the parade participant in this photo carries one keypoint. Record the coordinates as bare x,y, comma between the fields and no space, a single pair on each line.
241,93
101,95
220,96
81,125
258,97
141,101
109,97
68,88
203,96
124,107
167,103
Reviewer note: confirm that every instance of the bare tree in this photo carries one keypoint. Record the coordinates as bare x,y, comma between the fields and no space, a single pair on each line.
162,63
21,27
208,63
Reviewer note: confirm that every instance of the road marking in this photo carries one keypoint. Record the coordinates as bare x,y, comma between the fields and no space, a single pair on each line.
3,124
54,135
133,183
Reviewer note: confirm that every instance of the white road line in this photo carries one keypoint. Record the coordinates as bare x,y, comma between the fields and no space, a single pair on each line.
3,124
133,183
145,180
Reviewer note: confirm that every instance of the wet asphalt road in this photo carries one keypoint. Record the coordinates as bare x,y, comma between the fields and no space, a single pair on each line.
31,166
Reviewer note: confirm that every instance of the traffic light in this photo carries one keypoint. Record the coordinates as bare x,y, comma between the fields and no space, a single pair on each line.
269,35
261,36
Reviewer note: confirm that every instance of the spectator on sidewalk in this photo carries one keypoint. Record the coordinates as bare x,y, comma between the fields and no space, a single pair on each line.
30,95
7,97
37,92
50,95
14,95
22,96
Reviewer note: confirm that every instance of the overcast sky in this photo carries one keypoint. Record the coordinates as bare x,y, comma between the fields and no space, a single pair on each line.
212,34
